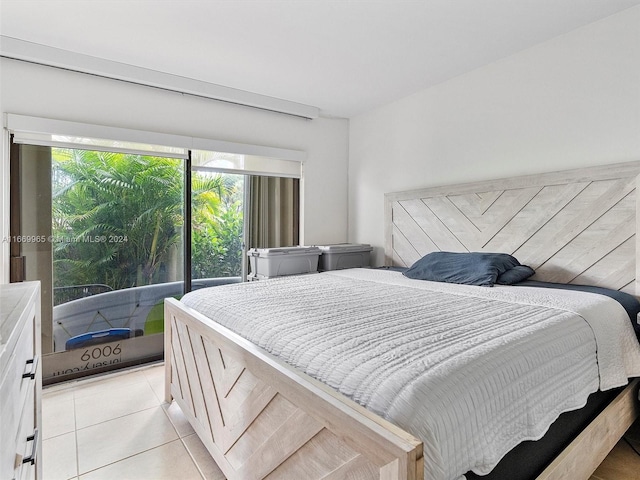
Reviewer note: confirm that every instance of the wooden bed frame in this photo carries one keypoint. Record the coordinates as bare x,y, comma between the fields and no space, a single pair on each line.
260,418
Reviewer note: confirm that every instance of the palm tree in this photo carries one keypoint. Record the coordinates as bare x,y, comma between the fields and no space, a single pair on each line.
217,225
119,216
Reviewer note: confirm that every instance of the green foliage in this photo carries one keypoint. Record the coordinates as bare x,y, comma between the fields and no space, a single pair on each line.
154,323
217,230
118,219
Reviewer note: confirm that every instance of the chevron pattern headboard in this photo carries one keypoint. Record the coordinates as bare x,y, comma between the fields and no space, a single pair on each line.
576,226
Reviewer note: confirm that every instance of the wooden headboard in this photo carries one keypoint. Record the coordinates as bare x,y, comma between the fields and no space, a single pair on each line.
575,226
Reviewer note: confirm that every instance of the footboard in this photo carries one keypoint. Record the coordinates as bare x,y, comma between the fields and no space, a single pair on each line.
260,418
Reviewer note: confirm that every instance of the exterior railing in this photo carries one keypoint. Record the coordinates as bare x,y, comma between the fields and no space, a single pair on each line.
136,308
74,292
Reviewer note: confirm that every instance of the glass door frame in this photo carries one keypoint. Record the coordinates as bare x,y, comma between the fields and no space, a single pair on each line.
16,227
62,365
186,234
188,237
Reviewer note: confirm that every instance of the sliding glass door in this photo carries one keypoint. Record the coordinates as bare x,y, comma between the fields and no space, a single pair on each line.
103,232
111,234
217,228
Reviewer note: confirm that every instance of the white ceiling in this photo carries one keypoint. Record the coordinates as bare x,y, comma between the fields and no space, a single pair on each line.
342,56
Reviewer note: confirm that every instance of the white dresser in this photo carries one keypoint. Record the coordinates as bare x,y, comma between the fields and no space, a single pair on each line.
20,382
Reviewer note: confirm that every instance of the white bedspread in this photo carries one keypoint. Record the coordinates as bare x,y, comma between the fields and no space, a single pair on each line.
471,371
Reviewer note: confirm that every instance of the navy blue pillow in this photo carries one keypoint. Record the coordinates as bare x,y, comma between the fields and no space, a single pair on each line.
515,275
475,268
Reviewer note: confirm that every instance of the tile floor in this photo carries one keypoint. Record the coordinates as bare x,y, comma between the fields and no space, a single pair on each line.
117,427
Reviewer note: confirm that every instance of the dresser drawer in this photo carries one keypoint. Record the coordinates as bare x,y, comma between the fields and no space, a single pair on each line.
17,390
20,381
27,451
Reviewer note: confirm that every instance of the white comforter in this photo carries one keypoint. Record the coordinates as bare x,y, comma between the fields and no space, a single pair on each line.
471,371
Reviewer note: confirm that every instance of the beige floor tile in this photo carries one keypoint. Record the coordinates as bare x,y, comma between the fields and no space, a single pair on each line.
58,413
155,377
114,440
203,459
114,401
167,462
59,457
102,383
58,389
180,422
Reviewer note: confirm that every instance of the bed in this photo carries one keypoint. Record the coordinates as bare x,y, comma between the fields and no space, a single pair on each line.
259,417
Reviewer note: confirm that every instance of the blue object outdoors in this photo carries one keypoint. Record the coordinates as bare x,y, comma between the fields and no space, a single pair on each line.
127,309
97,338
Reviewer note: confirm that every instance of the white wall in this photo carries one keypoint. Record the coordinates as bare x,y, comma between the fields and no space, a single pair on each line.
4,196
570,102
47,92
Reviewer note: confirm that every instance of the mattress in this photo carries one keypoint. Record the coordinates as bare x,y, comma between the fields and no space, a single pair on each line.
471,371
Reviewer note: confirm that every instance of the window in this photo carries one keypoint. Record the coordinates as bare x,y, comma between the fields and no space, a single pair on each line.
111,228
